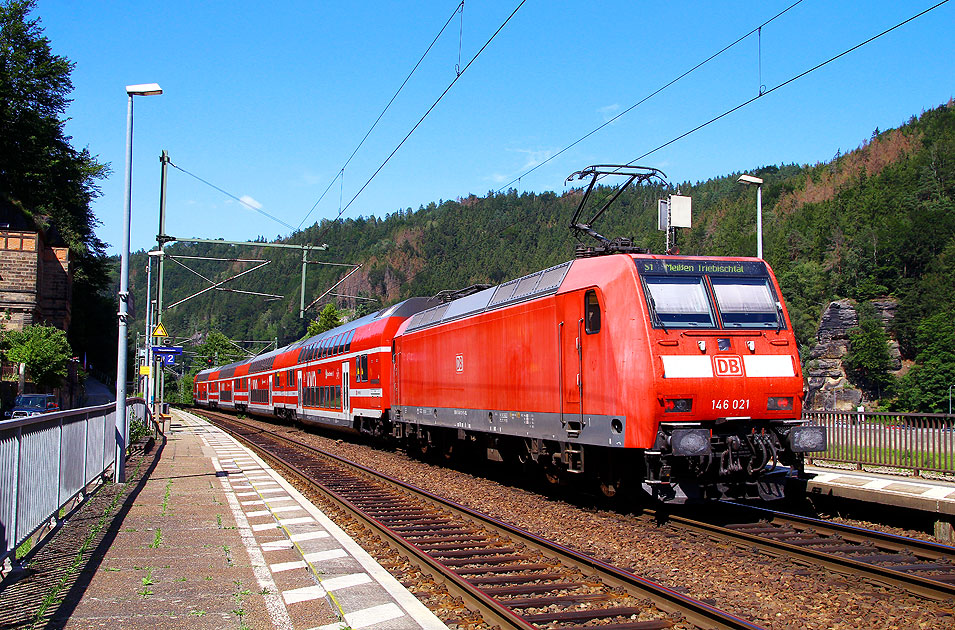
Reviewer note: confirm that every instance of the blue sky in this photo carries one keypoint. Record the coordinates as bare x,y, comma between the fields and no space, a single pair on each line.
268,103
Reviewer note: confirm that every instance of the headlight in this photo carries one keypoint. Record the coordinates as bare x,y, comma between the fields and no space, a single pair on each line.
780,403
808,438
690,442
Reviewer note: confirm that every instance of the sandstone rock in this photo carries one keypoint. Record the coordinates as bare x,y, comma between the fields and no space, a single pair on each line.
836,321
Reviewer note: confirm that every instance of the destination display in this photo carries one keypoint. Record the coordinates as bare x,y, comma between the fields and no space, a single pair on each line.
701,267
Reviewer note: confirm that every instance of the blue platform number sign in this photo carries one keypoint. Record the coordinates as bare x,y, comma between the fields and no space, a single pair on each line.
168,359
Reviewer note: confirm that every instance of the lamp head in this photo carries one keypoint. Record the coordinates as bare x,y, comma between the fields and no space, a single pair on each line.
144,89
749,179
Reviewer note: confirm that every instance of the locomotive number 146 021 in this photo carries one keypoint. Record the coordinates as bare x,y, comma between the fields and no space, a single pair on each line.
736,404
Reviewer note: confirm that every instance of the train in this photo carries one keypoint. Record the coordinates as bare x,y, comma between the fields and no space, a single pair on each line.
677,377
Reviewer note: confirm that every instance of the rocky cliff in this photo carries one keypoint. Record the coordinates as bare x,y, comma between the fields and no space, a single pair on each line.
830,388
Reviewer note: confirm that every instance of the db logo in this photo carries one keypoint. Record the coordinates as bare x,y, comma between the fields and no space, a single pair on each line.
459,363
728,366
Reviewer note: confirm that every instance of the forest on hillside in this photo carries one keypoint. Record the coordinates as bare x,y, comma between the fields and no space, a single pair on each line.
875,221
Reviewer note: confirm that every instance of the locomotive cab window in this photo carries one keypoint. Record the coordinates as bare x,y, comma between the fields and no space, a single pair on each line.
747,303
591,313
679,302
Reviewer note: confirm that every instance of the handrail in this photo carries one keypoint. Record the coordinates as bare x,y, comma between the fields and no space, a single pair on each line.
48,460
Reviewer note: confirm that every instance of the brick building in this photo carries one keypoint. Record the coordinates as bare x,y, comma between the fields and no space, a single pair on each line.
36,285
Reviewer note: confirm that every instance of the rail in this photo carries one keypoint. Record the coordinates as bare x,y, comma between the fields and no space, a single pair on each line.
908,441
47,460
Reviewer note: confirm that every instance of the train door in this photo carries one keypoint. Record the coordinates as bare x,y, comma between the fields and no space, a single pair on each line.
346,398
270,390
300,382
570,330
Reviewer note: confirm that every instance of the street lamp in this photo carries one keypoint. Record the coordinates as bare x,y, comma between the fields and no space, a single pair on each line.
748,180
119,472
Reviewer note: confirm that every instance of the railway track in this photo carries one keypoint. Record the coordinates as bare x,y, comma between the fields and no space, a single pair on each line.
515,579
919,566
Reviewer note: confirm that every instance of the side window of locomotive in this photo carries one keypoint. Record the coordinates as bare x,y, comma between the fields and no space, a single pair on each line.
746,303
679,302
591,313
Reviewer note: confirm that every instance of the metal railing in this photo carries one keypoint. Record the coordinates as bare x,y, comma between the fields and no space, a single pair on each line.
908,441
47,460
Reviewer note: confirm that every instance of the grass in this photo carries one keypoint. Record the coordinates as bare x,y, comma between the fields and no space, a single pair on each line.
157,539
53,595
24,548
886,456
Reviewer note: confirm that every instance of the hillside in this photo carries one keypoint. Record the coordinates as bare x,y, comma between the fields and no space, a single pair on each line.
875,221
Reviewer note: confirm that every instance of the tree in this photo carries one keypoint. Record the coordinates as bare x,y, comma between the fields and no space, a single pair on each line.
329,318
44,350
215,351
925,387
868,359
45,183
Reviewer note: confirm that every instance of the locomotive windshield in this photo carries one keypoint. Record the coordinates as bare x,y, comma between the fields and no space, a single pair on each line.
679,302
702,294
746,302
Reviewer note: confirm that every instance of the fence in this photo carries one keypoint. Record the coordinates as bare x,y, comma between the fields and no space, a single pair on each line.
910,441
47,460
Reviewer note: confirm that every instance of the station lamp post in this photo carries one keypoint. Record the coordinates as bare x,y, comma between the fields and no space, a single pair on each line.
119,472
748,180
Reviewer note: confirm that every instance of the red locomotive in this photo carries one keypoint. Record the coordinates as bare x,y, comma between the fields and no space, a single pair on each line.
677,374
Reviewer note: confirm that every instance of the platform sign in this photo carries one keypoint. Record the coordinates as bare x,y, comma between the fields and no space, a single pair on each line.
167,359
167,350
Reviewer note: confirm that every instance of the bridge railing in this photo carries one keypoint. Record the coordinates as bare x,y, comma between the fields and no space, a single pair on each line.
47,460
908,441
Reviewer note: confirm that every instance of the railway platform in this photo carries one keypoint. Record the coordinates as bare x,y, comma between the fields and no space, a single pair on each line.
204,534
934,496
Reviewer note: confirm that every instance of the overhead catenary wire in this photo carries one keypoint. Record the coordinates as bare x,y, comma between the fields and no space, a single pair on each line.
786,82
421,120
341,172
228,194
649,96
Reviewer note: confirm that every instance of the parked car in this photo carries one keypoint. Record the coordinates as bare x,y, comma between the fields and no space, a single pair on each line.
31,405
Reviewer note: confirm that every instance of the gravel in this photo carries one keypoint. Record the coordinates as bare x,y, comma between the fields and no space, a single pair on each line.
773,592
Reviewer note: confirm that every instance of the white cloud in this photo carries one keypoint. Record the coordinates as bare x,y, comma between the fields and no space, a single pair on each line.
250,202
609,111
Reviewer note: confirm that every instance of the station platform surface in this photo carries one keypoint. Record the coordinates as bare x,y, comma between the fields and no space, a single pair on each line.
926,494
211,537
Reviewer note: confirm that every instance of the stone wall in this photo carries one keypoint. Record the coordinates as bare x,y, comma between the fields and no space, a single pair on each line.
19,267
830,388
35,281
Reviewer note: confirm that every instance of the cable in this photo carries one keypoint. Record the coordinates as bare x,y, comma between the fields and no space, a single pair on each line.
787,82
459,8
430,109
228,194
649,96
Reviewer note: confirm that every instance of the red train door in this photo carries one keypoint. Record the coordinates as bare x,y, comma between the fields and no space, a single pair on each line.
570,330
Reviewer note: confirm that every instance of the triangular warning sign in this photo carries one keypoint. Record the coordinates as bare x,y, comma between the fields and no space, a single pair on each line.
160,331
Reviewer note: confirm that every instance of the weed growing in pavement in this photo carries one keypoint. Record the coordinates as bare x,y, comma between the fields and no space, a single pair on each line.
197,613
147,582
228,555
112,569
157,539
165,499
219,520
239,610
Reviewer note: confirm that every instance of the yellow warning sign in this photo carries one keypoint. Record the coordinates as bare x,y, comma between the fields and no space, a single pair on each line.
160,331
144,370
